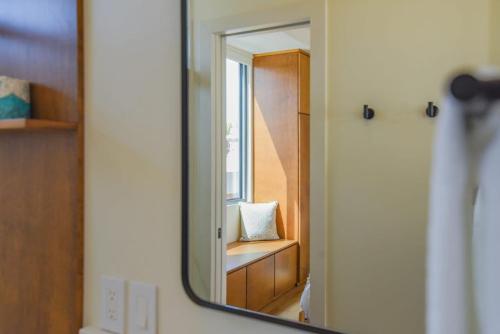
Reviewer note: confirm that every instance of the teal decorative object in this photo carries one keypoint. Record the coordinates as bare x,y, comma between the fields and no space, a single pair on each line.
14,98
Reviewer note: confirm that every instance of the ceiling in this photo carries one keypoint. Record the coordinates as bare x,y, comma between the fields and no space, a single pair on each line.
271,41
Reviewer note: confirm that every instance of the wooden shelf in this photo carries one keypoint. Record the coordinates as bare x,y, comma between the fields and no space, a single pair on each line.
35,124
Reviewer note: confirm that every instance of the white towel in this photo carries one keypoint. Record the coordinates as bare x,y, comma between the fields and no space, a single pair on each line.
305,299
463,280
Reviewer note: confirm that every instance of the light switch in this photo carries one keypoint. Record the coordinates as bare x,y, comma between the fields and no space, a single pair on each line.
142,306
113,305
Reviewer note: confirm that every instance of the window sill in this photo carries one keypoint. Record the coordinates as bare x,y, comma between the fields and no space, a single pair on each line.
235,201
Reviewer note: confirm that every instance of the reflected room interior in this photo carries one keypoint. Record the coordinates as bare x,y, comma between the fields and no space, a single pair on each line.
311,131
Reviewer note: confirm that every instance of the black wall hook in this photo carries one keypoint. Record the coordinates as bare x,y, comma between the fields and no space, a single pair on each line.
368,113
432,110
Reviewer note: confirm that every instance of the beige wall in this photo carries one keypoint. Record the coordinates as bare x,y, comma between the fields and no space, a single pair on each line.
495,32
378,171
394,55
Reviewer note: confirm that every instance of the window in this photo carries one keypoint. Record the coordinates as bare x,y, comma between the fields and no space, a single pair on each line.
236,130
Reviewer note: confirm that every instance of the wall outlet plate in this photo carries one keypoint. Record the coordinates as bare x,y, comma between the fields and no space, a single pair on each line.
113,305
142,306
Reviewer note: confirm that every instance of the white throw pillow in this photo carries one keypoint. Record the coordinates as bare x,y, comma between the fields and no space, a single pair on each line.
258,221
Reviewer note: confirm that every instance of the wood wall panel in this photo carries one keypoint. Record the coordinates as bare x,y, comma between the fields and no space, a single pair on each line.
275,137
41,215
40,42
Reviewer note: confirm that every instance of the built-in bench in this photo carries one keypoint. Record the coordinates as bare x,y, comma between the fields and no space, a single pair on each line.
260,272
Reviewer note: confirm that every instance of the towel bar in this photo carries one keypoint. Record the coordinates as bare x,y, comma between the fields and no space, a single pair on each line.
466,87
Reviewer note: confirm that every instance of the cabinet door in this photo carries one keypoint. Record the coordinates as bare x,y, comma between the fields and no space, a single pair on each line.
236,294
260,283
286,270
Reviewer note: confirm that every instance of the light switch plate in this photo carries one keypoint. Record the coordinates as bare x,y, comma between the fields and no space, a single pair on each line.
113,305
142,306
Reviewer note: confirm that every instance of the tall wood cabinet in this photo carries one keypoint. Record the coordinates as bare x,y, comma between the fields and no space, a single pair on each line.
281,143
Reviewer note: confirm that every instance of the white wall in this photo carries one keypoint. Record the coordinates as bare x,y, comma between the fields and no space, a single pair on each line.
133,161
233,224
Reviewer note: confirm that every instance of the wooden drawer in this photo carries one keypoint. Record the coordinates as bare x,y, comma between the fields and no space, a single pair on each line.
260,283
286,270
236,294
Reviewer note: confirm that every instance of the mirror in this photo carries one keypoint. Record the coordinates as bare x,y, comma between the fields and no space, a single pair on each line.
308,134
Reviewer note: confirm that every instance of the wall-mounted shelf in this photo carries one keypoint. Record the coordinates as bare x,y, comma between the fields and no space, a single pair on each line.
35,124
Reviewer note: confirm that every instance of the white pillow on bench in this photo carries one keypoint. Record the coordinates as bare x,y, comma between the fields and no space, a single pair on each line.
258,221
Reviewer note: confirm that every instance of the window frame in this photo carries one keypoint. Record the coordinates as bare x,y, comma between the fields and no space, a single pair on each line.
244,84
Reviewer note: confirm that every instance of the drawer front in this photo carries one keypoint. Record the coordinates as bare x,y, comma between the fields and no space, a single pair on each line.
286,270
260,283
236,293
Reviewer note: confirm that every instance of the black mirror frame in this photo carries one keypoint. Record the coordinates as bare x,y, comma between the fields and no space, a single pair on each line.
185,204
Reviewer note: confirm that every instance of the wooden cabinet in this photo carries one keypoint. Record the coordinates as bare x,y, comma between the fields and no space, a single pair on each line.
237,288
281,143
260,272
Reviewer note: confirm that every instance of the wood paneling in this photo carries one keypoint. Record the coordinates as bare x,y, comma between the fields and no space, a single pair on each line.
275,137
41,216
260,283
40,42
285,270
237,288
304,193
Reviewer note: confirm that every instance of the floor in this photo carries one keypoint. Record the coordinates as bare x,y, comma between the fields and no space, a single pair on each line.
287,306
291,309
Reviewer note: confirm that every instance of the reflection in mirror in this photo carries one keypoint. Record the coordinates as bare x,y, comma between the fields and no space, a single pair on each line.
300,208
